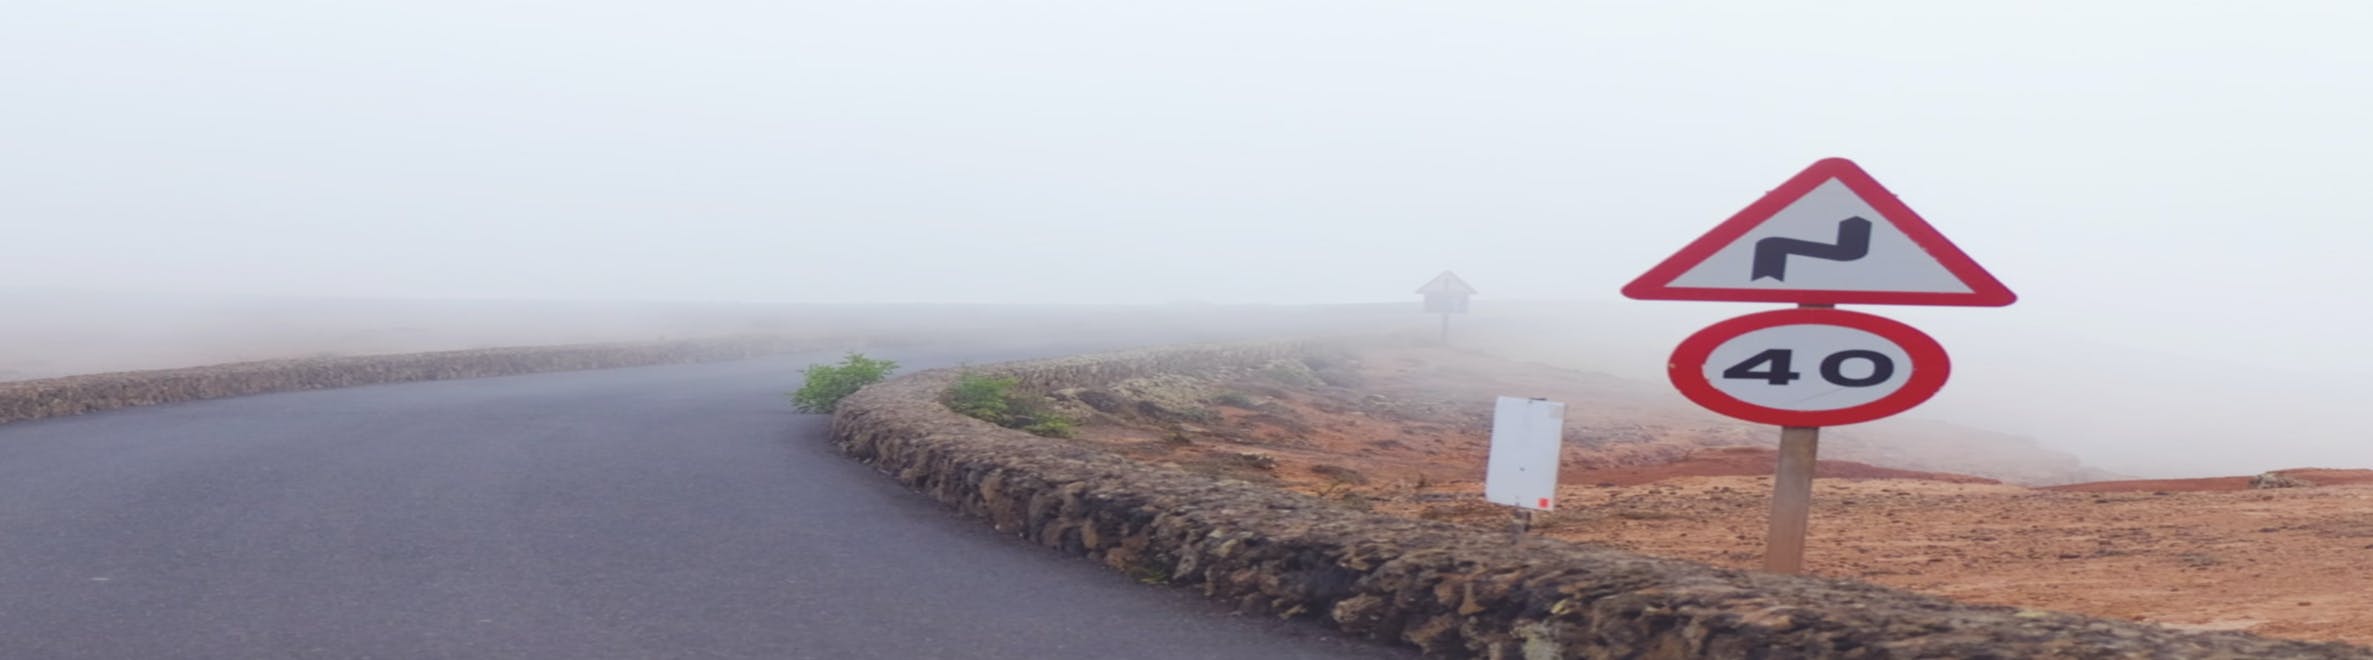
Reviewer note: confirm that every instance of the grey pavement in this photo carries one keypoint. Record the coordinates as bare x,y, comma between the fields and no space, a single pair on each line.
662,512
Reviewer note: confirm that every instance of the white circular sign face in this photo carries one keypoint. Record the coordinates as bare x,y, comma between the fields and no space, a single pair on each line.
1809,367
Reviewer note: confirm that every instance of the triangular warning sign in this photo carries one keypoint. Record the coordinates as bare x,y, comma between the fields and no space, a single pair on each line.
1830,235
1447,283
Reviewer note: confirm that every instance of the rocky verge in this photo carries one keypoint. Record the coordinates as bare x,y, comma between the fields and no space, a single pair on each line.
1448,589
1418,412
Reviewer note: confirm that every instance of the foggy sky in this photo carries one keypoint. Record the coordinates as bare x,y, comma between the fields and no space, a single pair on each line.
2182,178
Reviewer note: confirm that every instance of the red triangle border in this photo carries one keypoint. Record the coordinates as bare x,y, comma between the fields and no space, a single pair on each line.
1984,290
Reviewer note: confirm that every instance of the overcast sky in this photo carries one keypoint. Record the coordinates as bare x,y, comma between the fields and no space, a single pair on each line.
2181,176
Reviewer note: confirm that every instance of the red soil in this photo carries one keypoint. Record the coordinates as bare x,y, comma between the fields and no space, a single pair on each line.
2330,477
1748,462
2207,484
2317,476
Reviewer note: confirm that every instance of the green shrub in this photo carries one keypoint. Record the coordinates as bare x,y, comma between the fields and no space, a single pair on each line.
998,400
985,398
828,384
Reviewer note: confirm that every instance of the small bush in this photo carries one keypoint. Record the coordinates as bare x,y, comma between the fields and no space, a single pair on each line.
998,400
827,384
982,397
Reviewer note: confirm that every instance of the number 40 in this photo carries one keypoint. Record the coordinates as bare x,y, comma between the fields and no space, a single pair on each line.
1833,370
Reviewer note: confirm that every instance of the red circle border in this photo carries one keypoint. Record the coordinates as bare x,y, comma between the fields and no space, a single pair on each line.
1930,367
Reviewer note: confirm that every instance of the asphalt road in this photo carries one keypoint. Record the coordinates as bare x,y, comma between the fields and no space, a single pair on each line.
664,512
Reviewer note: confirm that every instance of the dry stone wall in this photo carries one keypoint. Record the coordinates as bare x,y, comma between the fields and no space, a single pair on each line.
76,395
1452,591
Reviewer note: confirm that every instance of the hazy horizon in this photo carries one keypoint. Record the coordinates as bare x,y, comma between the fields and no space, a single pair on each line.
2172,186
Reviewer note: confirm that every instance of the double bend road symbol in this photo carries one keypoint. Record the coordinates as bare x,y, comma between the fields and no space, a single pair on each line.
1771,254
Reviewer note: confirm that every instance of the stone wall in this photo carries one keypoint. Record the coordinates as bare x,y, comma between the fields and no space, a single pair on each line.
76,395
1108,368
1452,591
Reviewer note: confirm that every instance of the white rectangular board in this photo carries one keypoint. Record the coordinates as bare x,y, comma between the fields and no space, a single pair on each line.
1527,439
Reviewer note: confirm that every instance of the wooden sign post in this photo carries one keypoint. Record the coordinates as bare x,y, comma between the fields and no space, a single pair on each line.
1792,499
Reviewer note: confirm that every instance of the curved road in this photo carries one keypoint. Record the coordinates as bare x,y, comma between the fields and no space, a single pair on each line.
662,512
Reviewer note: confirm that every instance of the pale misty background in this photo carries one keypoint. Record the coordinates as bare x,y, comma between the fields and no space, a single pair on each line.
2173,188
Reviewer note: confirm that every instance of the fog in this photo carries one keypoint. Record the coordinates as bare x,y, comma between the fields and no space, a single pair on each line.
2173,188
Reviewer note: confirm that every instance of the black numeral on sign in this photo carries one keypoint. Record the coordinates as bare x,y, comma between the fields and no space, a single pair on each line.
1833,368
1777,374
1771,366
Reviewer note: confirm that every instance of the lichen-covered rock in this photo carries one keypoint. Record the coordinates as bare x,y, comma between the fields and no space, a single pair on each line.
1450,590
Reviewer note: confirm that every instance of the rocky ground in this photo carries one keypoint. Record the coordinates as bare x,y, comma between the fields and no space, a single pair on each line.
1403,430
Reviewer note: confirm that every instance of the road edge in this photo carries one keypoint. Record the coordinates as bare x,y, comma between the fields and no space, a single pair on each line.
66,396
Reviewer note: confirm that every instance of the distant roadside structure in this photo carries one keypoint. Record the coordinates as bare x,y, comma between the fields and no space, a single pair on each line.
1446,294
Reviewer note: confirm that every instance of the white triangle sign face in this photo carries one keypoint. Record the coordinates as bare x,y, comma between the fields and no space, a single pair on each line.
1830,235
1447,283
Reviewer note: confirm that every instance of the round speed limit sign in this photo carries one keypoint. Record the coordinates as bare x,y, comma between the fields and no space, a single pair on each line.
1809,367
